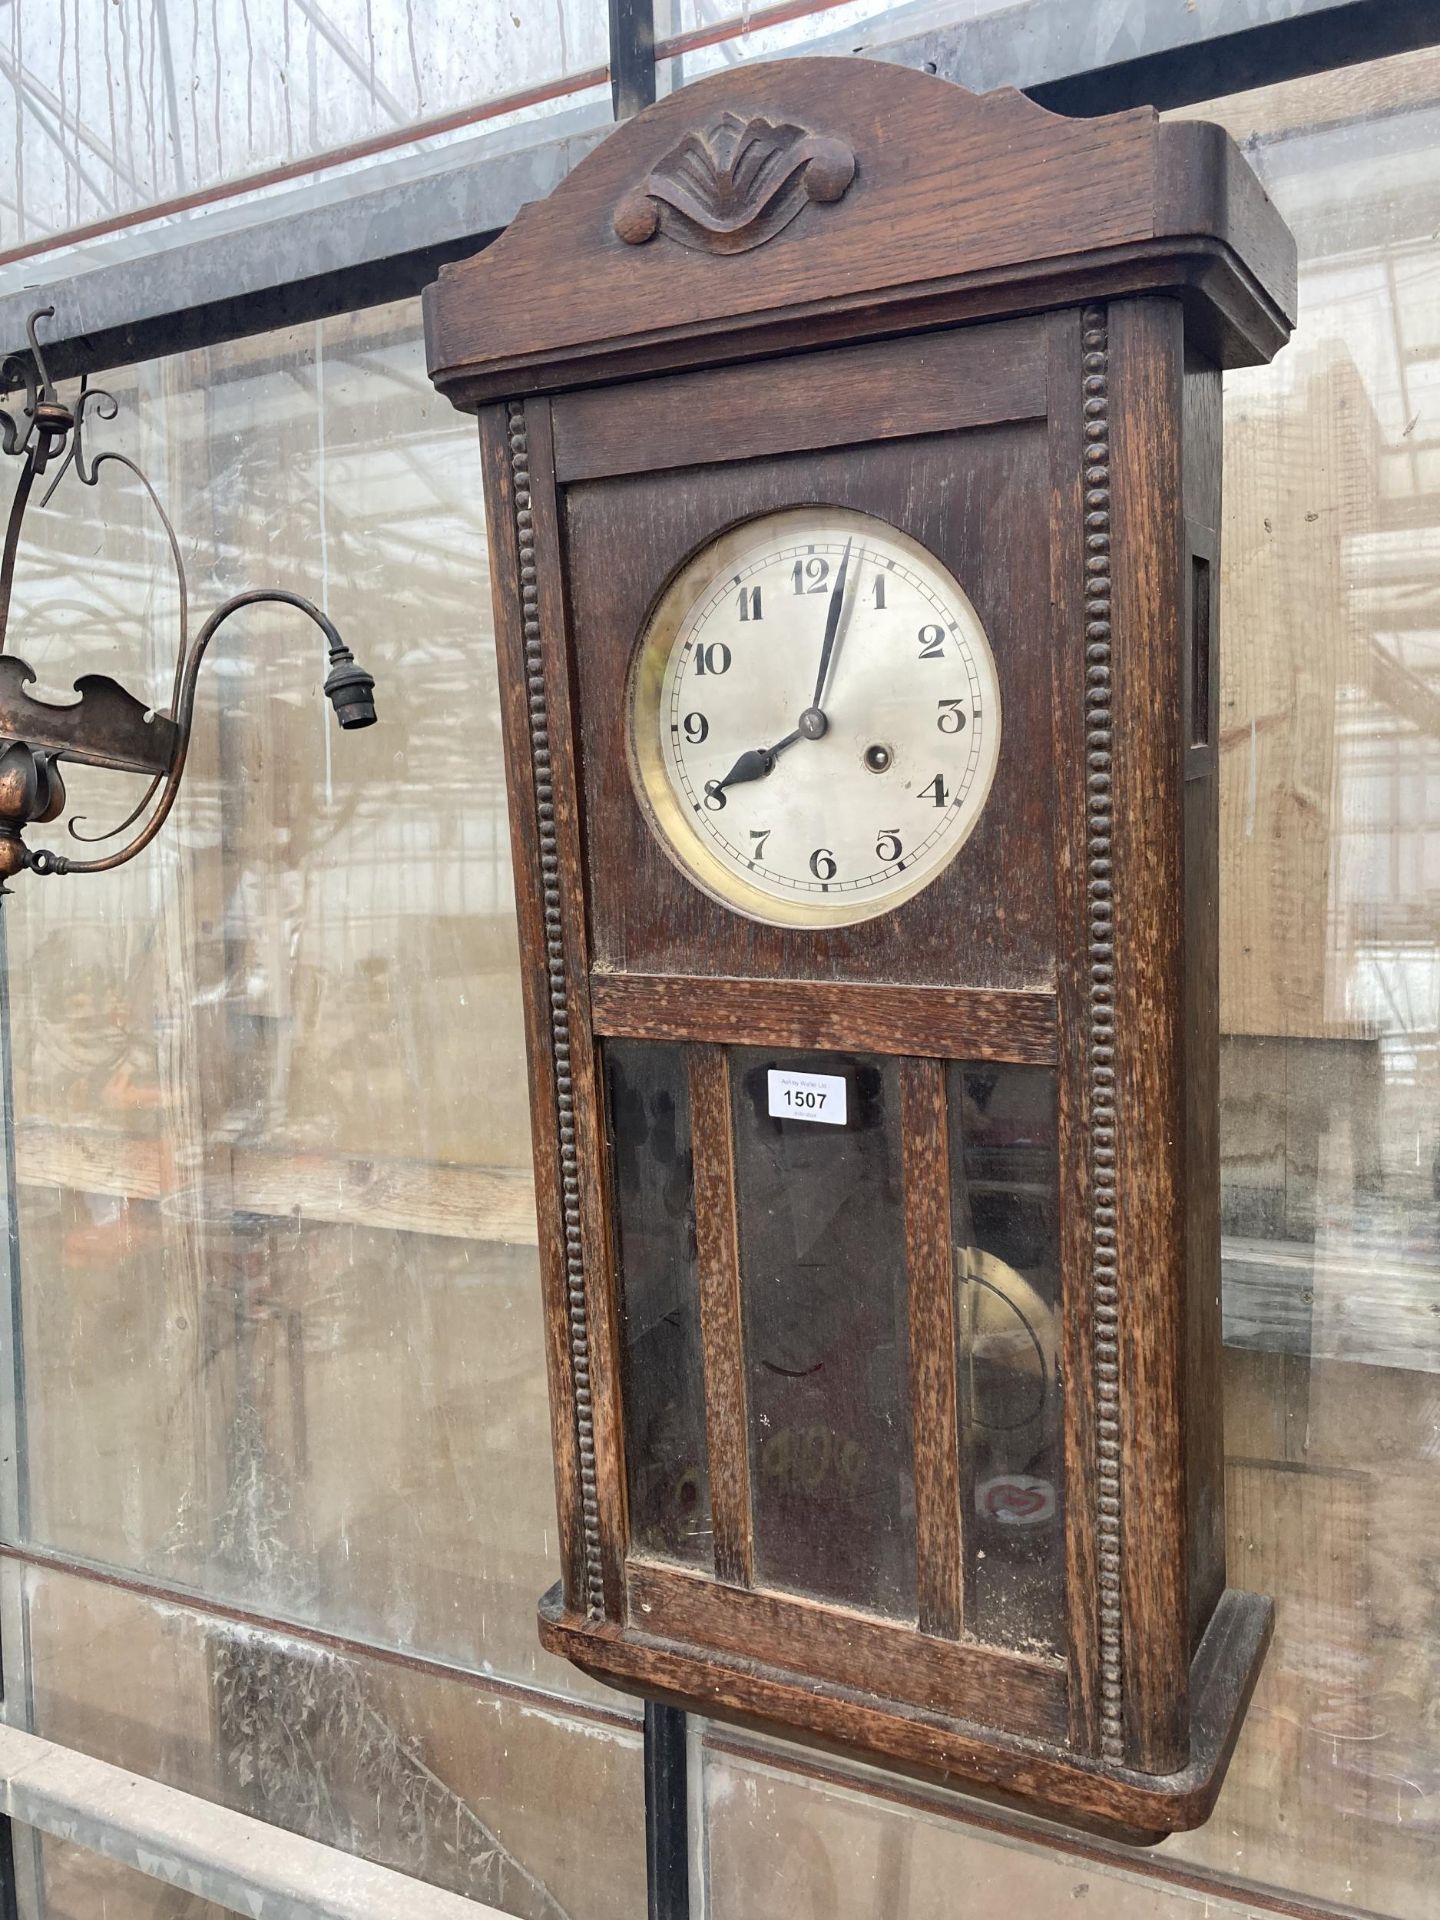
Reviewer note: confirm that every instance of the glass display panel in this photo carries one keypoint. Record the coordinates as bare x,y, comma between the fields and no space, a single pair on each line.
666,1463
1329,748
476,1788
823,1304
1004,1217
73,1883
280,1325
269,92
702,37
830,1847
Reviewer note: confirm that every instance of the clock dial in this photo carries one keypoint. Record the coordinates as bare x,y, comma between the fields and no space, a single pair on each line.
815,717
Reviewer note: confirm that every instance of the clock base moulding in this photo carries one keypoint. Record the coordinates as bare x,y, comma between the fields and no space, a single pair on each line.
1028,1775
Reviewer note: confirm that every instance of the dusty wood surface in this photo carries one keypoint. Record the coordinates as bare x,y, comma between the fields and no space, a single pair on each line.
409,1196
934,1419
727,1426
946,1023
886,1659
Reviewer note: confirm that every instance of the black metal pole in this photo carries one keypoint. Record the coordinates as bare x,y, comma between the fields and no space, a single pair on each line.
632,56
14,1360
1258,56
667,1830
9,1892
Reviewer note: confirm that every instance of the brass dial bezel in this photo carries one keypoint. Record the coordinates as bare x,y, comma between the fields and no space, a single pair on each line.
670,818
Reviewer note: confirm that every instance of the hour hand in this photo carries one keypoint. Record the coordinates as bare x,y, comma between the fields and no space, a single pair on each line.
753,764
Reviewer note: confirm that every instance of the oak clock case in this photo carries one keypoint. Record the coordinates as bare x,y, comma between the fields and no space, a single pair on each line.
853,544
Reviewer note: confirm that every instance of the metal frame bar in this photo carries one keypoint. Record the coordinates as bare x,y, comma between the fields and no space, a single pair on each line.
632,56
316,255
1341,36
19,1856
620,1718
667,1814
1078,60
220,1855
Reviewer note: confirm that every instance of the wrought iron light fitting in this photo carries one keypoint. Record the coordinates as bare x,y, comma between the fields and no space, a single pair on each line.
108,726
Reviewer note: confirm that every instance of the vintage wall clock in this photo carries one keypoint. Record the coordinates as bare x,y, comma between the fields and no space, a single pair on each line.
851,451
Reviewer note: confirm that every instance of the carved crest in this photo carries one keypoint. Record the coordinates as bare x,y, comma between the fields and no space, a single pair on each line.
735,185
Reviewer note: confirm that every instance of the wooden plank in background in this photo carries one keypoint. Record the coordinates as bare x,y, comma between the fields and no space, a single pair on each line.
1299,489
494,1204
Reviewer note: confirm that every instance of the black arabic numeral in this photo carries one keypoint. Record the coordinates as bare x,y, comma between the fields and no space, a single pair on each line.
951,720
750,603
879,593
712,659
935,791
932,643
810,576
887,845
822,864
759,835
697,729
714,796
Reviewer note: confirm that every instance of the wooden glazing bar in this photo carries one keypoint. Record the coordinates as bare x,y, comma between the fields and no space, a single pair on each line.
947,1023
1204,1367
717,1249
934,1424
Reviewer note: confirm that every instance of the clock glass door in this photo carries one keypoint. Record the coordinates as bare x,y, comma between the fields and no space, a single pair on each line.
840,1290
668,1482
1004,1223
823,1301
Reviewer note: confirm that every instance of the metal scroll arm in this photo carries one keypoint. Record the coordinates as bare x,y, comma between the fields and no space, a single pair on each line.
348,687
42,428
108,726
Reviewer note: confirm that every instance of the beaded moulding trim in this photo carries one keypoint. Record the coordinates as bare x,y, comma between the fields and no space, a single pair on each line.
1100,1037
577,1321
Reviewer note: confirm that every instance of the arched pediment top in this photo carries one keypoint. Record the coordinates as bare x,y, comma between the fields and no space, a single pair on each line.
809,190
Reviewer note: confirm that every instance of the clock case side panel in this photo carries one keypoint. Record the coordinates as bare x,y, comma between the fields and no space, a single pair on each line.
1089,1660
1204,1376
1137,962
1152,946
567,1127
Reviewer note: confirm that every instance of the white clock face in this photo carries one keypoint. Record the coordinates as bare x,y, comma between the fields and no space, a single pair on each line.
815,717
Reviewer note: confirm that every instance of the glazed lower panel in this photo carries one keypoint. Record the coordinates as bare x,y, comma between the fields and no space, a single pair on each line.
1038,1775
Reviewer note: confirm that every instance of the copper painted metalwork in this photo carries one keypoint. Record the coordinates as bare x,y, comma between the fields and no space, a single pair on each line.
108,726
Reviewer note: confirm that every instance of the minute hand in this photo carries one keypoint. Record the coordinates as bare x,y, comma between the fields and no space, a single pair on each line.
832,626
